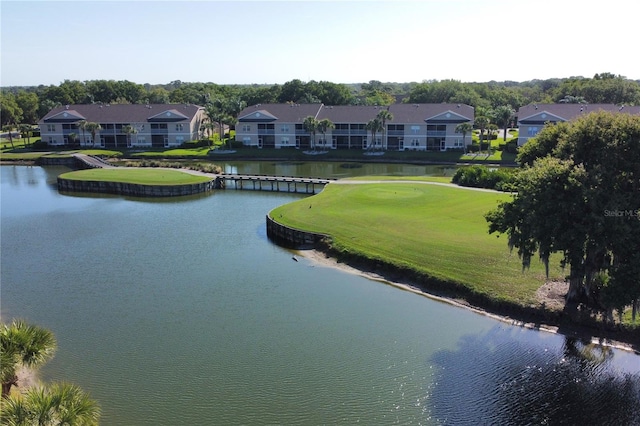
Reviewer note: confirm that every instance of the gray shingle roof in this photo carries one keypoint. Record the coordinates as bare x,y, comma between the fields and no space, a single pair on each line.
349,113
287,113
402,113
123,113
539,113
417,113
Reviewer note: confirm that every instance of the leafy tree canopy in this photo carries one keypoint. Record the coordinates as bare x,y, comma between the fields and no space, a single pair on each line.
578,194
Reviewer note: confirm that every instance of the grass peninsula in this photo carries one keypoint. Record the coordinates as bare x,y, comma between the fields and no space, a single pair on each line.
437,231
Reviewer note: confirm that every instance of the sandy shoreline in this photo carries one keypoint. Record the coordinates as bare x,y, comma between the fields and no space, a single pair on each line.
321,259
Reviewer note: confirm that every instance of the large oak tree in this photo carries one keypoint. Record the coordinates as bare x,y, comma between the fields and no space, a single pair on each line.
578,195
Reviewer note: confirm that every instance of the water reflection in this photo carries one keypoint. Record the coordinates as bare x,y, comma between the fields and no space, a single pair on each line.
499,379
335,169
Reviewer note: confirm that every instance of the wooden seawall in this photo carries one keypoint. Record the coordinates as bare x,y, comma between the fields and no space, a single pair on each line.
134,190
290,237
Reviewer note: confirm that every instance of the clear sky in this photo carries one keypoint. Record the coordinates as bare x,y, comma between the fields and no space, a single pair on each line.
267,42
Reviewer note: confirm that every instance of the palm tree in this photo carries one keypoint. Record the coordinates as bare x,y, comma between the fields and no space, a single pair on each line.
217,114
233,106
503,114
204,127
73,137
323,126
374,126
482,122
58,404
82,125
22,344
129,130
9,128
93,128
384,116
492,129
310,124
464,128
26,131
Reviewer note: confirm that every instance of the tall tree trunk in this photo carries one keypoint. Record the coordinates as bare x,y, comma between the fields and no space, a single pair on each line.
6,387
576,291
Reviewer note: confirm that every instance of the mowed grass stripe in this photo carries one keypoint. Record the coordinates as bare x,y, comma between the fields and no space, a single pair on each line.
433,229
140,176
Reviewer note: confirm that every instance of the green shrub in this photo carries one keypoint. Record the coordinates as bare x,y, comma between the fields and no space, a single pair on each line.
512,147
40,146
477,147
500,179
195,144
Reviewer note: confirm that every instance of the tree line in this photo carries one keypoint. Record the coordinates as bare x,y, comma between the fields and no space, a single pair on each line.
26,105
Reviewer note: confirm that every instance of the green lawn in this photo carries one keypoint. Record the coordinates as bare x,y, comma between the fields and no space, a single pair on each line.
439,179
143,176
434,229
177,153
20,156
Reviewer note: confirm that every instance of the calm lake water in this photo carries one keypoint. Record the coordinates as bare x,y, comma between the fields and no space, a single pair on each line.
182,312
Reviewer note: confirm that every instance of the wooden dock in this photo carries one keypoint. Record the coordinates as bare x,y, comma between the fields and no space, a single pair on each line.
292,184
273,183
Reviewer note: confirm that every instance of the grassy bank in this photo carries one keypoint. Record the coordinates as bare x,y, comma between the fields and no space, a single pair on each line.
436,230
142,176
21,153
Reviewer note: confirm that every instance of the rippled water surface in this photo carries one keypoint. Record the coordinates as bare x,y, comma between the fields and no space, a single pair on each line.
182,312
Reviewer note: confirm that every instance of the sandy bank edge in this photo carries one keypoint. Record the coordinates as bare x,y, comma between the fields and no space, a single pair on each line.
319,258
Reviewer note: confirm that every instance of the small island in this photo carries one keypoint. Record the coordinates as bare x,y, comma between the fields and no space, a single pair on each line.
141,182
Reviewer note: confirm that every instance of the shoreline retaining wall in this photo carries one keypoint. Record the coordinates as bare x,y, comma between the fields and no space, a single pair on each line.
70,162
292,238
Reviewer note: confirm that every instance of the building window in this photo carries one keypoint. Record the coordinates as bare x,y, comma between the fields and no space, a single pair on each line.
415,130
141,140
285,128
415,142
246,141
179,139
284,141
179,127
246,127
532,131
51,127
